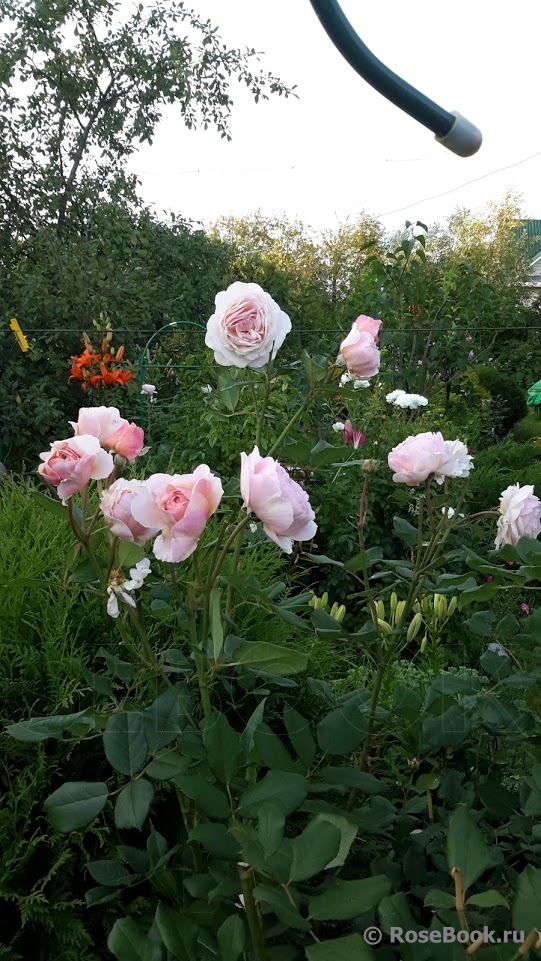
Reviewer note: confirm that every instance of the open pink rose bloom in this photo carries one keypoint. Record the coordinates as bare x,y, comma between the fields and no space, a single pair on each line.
112,430
71,464
247,327
179,506
277,500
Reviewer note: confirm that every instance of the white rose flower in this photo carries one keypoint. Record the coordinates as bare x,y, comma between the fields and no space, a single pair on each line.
339,426
520,515
247,328
457,463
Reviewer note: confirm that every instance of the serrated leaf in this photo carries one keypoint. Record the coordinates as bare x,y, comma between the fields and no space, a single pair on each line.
75,804
133,804
128,942
125,743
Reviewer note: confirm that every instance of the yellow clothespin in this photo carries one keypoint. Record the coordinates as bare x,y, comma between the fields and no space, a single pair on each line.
21,339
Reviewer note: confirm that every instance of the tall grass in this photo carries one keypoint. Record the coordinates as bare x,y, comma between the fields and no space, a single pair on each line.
47,633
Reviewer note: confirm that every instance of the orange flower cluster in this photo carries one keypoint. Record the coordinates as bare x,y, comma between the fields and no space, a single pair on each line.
99,369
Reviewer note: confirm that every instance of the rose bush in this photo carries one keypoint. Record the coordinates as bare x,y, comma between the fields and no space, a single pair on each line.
277,817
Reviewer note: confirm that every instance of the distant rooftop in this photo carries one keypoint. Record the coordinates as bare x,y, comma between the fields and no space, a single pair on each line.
531,229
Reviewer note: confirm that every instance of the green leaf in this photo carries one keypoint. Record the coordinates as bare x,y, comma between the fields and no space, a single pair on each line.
51,504
216,626
300,735
286,790
253,722
166,717
350,948
261,656
75,804
426,782
481,623
271,749
405,530
344,900
394,911
488,899
527,904
133,804
448,730
167,765
110,873
277,899
440,899
270,827
217,840
348,833
128,942
314,371
314,849
209,798
342,731
496,665
466,846
223,746
351,777
497,799
124,742
178,933
41,728
231,938
129,554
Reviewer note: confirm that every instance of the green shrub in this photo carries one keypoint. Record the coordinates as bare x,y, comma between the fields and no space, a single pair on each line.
508,400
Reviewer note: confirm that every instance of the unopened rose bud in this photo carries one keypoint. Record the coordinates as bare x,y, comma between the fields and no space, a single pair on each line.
370,466
119,462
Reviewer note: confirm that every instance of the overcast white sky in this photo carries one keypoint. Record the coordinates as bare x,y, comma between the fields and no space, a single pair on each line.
340,147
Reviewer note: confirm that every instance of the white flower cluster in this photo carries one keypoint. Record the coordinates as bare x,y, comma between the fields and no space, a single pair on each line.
120,588
401,399
358,382
338,427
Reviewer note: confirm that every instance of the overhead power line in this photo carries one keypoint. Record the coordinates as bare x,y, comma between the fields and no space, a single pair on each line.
474,180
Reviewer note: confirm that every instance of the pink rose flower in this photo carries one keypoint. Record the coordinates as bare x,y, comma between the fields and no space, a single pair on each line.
359,350
112,430
520,515
115,504
525,608
71,464
417,457
247,327
277,500
179,506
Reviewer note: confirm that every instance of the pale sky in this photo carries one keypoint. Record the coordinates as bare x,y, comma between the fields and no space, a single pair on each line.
341,148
